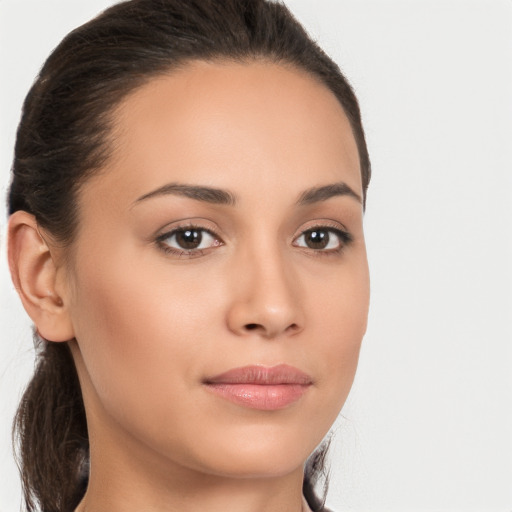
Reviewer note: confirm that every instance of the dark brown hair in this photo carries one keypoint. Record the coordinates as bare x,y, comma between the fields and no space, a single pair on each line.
63,138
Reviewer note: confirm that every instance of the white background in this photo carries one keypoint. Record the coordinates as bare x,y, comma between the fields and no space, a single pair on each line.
428,425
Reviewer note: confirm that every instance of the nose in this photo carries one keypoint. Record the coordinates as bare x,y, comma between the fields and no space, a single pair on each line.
265,297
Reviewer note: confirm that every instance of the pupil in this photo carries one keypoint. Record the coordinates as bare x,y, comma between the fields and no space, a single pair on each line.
317,239
188,238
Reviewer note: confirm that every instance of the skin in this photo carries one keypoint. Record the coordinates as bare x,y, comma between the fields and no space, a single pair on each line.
151,325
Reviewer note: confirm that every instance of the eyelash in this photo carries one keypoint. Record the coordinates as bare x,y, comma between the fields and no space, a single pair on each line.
190,253
344,238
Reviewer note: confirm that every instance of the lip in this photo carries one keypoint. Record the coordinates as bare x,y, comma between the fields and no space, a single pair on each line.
261,387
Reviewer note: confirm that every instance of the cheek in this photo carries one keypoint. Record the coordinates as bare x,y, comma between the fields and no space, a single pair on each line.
339,317
140,335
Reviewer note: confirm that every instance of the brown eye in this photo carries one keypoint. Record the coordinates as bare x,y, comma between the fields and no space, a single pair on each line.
316,238
188,239
323,239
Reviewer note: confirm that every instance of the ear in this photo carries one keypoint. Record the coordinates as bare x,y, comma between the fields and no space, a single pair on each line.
34,273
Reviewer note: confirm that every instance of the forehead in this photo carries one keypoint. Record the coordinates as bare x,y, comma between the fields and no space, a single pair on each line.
228,124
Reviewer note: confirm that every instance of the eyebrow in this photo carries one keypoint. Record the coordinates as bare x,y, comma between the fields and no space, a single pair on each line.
317,194
225,197
199,193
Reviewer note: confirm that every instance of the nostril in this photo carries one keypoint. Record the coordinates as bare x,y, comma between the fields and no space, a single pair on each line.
292,328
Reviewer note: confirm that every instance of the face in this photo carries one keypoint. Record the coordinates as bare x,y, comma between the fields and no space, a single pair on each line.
225,232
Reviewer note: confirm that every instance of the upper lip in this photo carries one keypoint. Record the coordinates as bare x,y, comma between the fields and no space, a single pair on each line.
263,375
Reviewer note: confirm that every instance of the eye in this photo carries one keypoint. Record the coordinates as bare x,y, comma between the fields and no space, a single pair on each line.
323,239
188,240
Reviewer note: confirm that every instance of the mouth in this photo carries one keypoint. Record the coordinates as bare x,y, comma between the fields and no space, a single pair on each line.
260,387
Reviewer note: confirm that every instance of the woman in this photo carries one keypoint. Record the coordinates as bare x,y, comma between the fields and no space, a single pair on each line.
186,234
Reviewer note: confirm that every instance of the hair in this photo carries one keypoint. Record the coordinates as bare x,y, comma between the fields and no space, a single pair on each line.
64,137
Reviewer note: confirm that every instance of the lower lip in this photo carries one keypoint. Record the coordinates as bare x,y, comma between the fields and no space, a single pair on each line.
258,396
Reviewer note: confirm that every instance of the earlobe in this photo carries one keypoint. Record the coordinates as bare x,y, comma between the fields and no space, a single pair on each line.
34,274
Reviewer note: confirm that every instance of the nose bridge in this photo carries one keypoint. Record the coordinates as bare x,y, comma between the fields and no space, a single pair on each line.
266,297
272,281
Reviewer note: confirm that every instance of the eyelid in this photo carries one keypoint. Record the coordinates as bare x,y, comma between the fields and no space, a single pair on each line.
322,224
343,234
192,224
174,231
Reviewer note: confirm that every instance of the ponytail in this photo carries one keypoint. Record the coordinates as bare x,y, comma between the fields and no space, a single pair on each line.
50,433
316,469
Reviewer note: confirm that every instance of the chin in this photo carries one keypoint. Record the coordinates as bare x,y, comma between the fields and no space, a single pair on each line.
263,454
271,466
